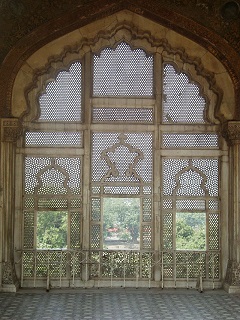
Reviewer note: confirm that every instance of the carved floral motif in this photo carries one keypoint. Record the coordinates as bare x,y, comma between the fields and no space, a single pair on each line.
11,130
231,131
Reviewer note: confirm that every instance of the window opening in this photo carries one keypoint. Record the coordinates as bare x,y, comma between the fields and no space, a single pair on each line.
190,231
121,223
125,225
52,230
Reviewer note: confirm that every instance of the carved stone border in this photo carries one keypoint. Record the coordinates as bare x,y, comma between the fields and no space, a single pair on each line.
97,10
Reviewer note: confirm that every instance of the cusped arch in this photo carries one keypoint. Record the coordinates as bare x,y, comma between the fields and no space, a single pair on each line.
136,38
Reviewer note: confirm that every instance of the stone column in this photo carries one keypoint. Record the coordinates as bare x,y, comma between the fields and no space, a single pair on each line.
10,131
231,132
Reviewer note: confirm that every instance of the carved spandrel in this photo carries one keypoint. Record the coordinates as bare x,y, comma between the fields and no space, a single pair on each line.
11,130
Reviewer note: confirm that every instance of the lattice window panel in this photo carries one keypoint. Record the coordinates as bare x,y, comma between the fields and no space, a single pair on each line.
147,190
122,72
214,266
57,170
168,265
57,264
94,265
190,205
167,232
147,262
167,203
182,102
54,261
213,204
33,165
170,168
29,203
190,140
28,264
126,115
28,239
196,264
191,181
76,203
55,139
124,190
181,265
210,168
96,209
147,209
62,99
41,263
96,189
133,264
146,237
75,230
77,260
136,142
113,264
213,225
53,203
95,236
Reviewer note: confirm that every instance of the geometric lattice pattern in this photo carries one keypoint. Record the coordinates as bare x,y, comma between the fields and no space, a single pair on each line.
52,175
190,140
131,155
147,209
193,177
62,100
130,115
28,239
75,230
213,231
95,236
96,209
182,102
190,204
147,236
66,139
122,72
167,230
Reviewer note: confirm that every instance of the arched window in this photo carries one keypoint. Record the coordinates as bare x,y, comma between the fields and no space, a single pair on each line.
130,191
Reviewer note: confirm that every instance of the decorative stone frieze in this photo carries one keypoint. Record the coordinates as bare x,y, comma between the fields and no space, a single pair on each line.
11,129
231,132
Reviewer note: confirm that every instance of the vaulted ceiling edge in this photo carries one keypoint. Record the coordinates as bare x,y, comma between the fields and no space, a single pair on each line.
26,25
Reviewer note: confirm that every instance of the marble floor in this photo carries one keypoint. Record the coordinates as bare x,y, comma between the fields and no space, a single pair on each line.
117,304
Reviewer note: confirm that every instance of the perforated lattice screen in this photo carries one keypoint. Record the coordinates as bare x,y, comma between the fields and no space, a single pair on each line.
192,177
62,100
52,175
191,140
53,139
122,158
122,72
131,115
182,101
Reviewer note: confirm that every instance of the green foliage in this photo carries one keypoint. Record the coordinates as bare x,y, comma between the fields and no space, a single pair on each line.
52,230
191,231
122,214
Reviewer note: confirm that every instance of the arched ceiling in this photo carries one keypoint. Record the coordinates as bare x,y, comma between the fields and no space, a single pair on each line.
26,25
